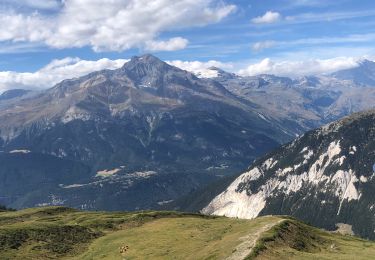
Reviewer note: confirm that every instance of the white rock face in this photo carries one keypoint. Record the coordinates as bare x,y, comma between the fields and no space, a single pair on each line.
238,204
74,113
269,163
249,203
145,174
345,186
107,173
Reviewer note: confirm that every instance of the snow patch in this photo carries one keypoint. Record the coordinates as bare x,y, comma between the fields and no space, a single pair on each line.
20,151
220,167
352,150
72,186
161,203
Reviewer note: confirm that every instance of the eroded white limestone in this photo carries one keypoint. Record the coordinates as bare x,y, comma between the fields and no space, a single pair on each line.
249,203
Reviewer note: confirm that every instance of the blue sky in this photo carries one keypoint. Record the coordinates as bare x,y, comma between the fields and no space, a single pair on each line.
243,36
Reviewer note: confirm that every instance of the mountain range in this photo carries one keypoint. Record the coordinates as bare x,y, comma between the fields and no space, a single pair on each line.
150,135
306,102
136,137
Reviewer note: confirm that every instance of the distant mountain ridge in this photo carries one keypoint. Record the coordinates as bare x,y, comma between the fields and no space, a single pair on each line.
304,103
363,74
13,93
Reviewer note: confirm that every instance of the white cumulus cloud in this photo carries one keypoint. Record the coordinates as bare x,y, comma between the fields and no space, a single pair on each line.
201,69
114,25
54,72
268,17
299,68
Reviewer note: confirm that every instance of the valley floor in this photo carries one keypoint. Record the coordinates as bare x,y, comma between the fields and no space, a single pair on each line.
56,232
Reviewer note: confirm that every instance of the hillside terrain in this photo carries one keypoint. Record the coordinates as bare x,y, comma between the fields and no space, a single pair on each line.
63,233
133,138
152,136
324,177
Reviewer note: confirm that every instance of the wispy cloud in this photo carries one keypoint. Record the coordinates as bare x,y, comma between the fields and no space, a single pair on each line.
311,3
258,46
326,17
349,39
21,47
311,17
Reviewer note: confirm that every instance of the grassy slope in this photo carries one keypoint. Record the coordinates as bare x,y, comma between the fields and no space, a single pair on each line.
293,239
54,232
57,232
183,238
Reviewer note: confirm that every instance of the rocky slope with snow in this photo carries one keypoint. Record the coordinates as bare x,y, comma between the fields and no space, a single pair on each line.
324,177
